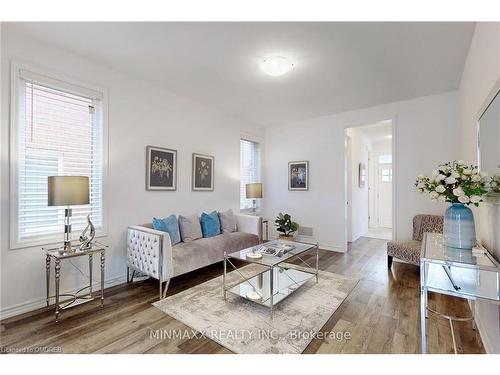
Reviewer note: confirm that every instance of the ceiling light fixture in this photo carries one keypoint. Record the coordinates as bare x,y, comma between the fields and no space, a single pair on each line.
276,65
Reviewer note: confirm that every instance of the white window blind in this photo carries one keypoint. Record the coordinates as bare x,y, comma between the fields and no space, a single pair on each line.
249,169
59,132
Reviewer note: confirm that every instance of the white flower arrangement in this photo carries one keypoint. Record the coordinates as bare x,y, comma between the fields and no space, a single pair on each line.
455,182
494,184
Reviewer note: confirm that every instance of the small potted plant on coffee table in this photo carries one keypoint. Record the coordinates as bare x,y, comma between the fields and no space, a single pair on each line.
285,226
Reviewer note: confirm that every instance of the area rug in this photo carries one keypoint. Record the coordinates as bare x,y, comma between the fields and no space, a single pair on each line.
246,327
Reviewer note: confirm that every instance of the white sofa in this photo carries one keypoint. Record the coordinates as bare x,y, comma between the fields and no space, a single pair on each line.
150,251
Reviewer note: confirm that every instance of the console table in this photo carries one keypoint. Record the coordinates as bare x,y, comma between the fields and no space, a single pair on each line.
58,254
455,272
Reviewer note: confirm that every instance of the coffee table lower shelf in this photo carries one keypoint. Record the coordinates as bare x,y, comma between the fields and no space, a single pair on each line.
281,281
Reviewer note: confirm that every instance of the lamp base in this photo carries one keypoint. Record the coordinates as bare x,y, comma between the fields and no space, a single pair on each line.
67,230
67,247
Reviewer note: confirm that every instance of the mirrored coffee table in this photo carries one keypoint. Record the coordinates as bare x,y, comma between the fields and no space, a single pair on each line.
279,277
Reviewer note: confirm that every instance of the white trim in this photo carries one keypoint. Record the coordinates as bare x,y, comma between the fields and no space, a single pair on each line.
335,248
394,179
483,332
495,89
393,120
59,84
357,237
494,92
251,137
38,303
260,149
15,76
348,182
60,77
322,246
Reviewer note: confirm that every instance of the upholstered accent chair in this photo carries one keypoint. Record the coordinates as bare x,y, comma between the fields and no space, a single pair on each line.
409,251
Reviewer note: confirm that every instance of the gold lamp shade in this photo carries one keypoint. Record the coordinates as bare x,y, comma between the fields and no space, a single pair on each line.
254,190
68,190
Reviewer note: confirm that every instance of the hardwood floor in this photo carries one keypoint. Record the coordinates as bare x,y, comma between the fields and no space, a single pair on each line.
381,315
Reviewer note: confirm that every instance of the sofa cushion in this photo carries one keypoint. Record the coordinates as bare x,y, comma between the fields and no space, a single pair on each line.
210,224
188,256
227,221
170,225
237,241
190,228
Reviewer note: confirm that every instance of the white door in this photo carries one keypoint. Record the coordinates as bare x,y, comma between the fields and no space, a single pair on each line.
348,188
372,191
384,195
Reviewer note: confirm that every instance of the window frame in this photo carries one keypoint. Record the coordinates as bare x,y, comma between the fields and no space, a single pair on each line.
57,81
259,142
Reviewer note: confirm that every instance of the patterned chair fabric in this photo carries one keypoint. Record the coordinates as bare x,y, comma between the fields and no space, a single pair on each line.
426,223
409,251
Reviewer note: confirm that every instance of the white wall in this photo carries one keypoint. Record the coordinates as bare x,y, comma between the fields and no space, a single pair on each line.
359,195
381,148
140,114
481,72
420,126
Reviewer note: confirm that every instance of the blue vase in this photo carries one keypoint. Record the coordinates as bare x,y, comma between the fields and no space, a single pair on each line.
459,230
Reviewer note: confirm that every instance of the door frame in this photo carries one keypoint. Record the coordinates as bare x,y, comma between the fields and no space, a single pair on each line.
348,182
393,120
371,210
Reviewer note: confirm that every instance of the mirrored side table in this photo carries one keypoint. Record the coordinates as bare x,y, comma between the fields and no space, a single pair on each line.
82,295
455,272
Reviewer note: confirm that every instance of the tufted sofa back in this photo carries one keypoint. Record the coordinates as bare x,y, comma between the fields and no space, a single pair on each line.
426,223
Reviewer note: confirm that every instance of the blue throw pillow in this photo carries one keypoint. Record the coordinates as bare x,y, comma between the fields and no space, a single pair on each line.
169,225
210,224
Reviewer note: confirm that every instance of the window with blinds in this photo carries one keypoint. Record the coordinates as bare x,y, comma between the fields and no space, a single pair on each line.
59,132
249,170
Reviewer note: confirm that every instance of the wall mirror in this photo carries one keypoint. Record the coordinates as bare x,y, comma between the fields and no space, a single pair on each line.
489,133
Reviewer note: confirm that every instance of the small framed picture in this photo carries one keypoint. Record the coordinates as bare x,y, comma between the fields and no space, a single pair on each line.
298,175
362,175
203,172
161,168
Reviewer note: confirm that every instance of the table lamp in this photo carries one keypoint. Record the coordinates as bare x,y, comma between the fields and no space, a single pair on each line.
68,191
254,191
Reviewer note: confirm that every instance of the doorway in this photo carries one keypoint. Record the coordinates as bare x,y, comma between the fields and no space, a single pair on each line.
380,193
369,181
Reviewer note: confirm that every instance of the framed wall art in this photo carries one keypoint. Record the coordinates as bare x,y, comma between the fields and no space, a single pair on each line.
203,172
161,168
298,175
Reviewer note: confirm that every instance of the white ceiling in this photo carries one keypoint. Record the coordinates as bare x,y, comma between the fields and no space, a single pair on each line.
338,66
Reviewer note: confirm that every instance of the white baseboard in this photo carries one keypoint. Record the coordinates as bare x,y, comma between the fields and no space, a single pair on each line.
324,246
337,249
356,237
41,302
483,332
